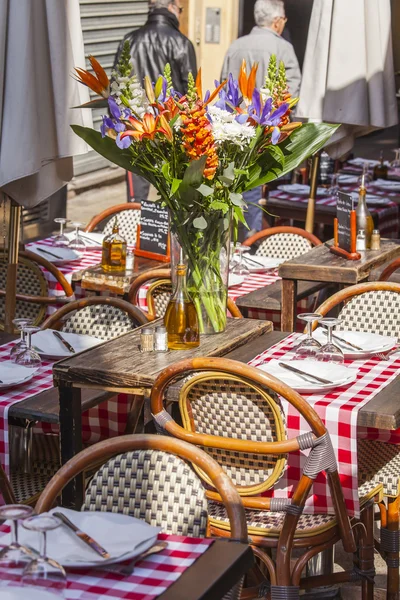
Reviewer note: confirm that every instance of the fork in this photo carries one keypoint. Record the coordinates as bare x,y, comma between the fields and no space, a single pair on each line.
385,356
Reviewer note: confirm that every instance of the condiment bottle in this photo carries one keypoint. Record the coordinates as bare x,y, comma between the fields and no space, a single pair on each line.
180,318
114,250
376,240
364,218
381,170
361,241
146,340
161,339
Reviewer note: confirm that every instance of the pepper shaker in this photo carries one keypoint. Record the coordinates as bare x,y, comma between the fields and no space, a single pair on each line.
161,339
375,240
146,340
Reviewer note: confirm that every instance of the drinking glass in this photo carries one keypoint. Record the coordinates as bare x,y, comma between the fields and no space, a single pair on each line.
334,187
330,352
15,556
240,267
395,164
234,256
44,571
29,357
21,345
77,243
308,346
61,239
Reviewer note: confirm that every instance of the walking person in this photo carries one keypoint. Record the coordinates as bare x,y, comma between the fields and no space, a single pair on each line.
152,46
264,40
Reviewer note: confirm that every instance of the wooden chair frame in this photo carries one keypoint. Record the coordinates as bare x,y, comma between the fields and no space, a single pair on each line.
55,320
281,574
160,277
265,233
103,451
389,270
109,212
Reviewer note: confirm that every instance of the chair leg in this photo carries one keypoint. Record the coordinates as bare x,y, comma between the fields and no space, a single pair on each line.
390,545
366,554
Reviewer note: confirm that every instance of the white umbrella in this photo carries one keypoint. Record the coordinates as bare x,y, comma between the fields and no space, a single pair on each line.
348,74
40,43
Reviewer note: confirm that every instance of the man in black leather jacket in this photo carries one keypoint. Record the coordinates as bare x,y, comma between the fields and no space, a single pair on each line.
158,42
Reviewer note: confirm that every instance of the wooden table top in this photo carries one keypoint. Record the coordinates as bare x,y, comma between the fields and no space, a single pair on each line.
319,264
269,297
118,282
383,411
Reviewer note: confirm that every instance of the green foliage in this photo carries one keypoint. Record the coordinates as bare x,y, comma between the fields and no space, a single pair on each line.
124,66
191,93
168,77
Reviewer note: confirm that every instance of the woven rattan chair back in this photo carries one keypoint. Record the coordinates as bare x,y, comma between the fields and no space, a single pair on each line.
222,405
30,281
282,242
158,296
128,221
371,307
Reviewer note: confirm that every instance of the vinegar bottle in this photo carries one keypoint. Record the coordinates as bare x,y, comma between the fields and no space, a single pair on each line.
114,250
180,318
365,221
381,170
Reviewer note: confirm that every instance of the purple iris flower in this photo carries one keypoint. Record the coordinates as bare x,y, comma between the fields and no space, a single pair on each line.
106,124
230,98
115,110
163,94
125,143
264,116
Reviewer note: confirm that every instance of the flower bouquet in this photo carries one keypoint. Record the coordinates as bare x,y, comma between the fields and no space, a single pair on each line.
201,152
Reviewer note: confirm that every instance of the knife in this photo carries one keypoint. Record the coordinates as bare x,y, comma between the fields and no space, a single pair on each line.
83,536
255,262
63,341
49,253
304,373
91,240
340,339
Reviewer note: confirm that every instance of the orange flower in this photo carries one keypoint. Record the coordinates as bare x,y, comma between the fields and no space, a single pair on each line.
147,128
247,84
197,138
99,82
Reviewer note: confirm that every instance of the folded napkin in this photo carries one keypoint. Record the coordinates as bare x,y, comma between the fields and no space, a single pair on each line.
48,345
387,184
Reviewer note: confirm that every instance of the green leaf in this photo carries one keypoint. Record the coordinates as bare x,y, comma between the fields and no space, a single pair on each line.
238,214
237,199
218,205
98,103
240,172
165,170
200,223
302,143
205,190
194,173
175,186
228,176
158,86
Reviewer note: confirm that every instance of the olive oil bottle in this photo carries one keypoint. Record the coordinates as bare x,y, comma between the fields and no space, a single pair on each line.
180,318
114,250
365,221
381,170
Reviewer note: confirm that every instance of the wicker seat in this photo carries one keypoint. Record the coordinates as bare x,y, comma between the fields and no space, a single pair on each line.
159,293
128,220
282,242
32,288
233,412
374,307
149,477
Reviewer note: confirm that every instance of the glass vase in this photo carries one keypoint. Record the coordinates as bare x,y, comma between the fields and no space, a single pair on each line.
204,241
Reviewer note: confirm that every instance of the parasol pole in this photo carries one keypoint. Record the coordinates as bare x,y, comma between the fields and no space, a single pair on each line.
313,193
11,280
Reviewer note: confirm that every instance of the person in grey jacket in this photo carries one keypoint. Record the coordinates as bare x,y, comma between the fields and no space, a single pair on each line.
264,40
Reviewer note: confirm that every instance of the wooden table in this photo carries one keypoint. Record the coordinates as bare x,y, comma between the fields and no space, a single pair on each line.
319,264
117,282
213,574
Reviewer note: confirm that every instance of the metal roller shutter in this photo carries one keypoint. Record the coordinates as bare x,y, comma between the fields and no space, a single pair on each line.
104,24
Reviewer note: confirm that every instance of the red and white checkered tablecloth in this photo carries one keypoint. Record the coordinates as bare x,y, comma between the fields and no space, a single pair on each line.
152,576
105,420
338,409
387,216
389,436
253,282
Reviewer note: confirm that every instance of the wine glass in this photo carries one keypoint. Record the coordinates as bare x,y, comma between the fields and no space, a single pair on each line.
330,352
21,345
44,571
61,239
77,243
334,187
15,556
395,164
233,256
29,357
308,346
240,267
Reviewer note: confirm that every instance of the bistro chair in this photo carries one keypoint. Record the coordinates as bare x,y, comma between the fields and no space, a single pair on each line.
159,293
374,307
128,220
389,270
282,242
149,477
233,412
32,297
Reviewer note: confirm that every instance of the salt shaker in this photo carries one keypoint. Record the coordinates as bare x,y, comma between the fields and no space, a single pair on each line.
375,240
146,340
161,339
361,241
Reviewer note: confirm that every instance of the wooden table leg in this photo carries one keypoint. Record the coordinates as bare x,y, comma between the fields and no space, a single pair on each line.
71,441
289,295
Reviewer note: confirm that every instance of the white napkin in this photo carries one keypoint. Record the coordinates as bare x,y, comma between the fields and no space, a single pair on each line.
386,184
264,262
344,178
369,342
235,279
337,374
47,344
94,239
11,373
371,199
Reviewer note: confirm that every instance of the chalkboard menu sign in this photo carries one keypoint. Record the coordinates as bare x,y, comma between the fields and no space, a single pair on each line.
344,207
153,236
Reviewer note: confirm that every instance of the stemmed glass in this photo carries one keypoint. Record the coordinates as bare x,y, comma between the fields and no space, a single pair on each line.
308,346
61,239
44,571
15,556
20,346
240,267
334,187
29,357
330,352
77,243
395,164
